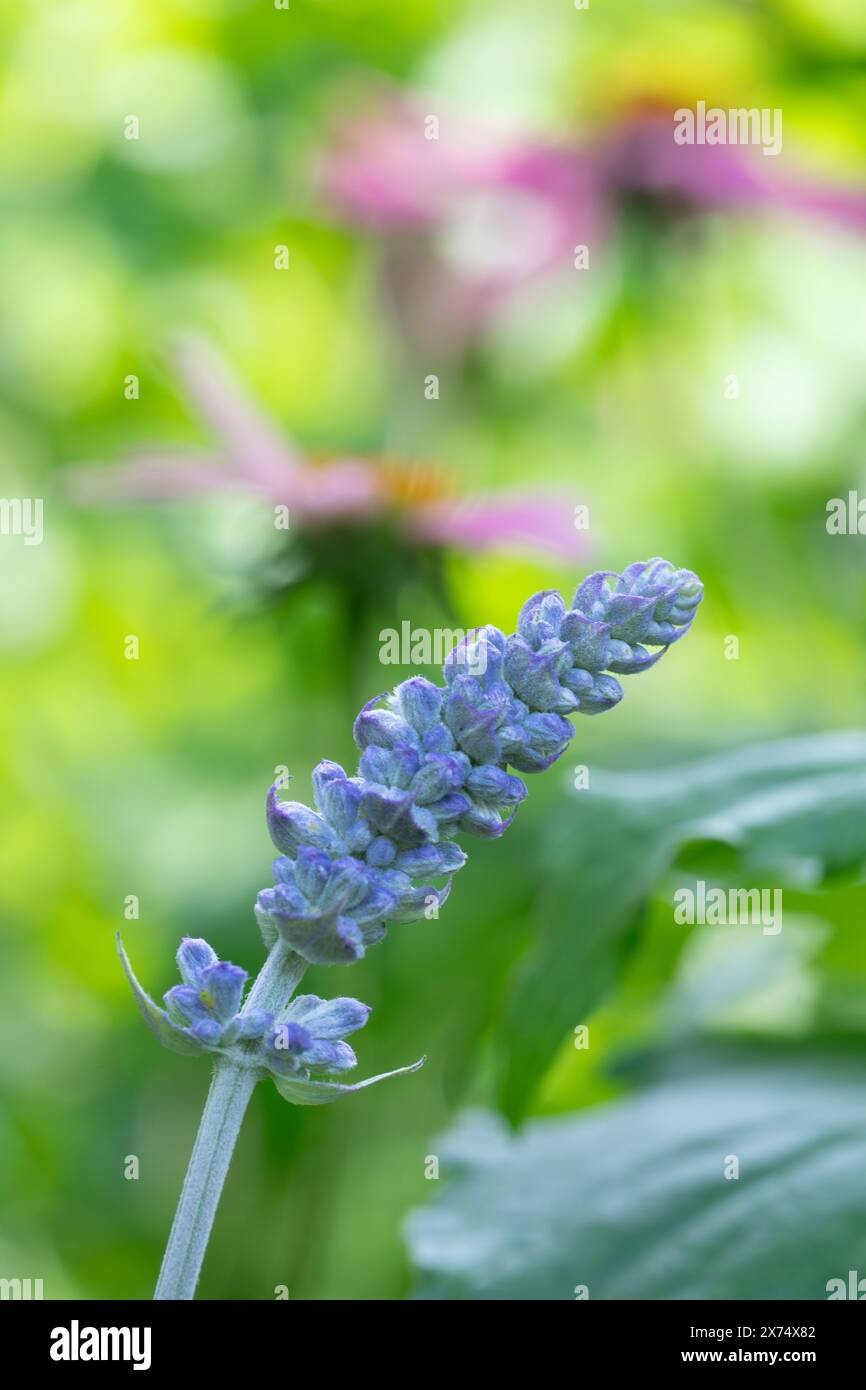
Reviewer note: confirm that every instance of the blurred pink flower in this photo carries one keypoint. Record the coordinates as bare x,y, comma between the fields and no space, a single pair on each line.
382,173
500,214
347,491
480,524
640,156
470,218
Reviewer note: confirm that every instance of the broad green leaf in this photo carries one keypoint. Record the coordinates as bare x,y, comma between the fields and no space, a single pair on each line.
792,812
586,923
713,783
632,1200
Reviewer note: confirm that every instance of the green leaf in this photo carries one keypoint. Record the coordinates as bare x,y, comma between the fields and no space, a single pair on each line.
587,921
632,1200
792,811
792,808
300,1092
156,1018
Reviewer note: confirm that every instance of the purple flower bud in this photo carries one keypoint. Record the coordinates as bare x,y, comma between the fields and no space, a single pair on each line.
202,1014
193,957
381,853
418,701
222,989
536,676
328,910
439,774
380,727
337,798
496,785
292,825
541,617
309,1037
629,616
605,693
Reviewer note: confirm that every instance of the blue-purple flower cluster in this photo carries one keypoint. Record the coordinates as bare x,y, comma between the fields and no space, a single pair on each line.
204,1014
380,846
205,1009
309,1036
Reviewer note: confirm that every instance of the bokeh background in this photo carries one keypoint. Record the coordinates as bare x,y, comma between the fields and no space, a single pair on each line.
699,387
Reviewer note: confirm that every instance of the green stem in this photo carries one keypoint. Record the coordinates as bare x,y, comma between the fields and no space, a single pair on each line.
229,1094
231,1086
277,981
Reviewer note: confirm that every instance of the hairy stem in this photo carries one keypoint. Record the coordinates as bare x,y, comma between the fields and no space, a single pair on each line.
277,980
229,1094
231,1086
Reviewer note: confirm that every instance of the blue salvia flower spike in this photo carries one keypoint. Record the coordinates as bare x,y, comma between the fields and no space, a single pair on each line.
435,760
380,848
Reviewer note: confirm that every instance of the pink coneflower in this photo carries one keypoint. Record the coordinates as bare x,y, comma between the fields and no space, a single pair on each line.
322,493
470,219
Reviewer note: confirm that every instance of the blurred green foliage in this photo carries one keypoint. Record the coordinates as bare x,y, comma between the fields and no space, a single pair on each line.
147,777
645,1199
